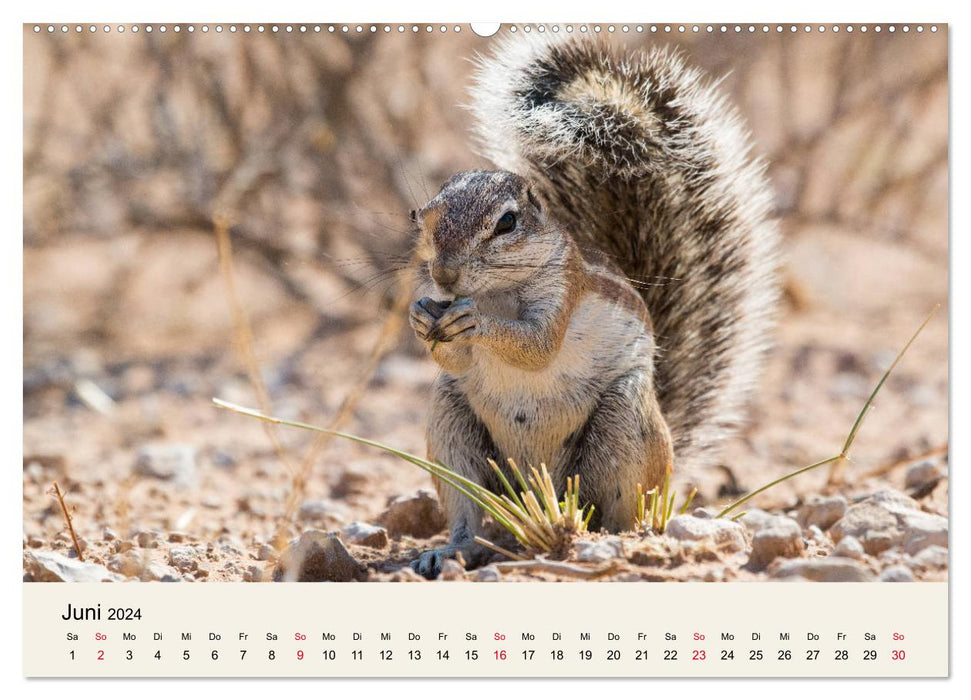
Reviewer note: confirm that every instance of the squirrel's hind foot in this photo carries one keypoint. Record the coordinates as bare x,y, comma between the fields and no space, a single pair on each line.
429,564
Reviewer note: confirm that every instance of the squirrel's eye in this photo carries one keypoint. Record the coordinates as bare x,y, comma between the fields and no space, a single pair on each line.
506,223
413,215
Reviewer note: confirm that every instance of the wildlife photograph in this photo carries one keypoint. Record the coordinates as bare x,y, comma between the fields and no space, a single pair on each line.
408,303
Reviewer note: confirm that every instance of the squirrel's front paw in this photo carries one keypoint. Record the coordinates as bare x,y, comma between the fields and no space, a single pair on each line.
424,315
460,320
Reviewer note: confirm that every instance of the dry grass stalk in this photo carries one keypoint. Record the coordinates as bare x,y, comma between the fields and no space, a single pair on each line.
558,568
67,518
300,475
244,336
386,337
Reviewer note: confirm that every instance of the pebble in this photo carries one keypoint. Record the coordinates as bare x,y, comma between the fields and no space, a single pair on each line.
318,556
253,573
890,519
488,574
822,512
599,550
722,532
452,571
933,557
755,519
365,534
897,574
147,539
157,571
54,567
352,482
109,535
827,569
266,553
418,516
849,547
185,559
922,476
128,564
169,462
781,538
818,535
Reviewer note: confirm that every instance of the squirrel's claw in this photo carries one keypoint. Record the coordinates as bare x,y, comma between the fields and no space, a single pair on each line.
460,319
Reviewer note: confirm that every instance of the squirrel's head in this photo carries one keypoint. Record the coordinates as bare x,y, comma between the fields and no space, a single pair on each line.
485,231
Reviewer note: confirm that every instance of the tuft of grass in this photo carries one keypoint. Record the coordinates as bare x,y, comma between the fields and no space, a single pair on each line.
534,515
656,507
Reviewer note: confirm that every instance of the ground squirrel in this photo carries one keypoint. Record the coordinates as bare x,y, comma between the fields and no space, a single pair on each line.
601,304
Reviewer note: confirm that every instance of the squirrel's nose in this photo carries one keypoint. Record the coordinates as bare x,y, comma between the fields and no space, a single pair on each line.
444,275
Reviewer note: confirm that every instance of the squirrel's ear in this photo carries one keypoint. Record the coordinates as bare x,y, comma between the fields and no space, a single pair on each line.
533,200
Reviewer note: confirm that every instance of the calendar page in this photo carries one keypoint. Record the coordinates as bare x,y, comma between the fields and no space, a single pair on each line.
460,350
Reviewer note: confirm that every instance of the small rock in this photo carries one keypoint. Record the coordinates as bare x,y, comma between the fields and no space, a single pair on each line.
318,556
755,519
405,574
266,553
185,559
322,512
365,534
704,513
419,516
452,571
889,557
488,574
897,574
54,567
818,535
827,569
599,550
157,571
253,573
723,533
352,482
109,535
822,512
922,477
783,538
169,462
120,546
128,564
34,542
147,539
178,537
849,548
933,557
887,519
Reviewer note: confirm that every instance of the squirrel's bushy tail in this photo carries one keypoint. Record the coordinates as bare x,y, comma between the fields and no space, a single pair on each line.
638,156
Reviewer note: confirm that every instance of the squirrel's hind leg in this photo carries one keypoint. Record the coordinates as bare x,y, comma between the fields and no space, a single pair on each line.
459,440
625,442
